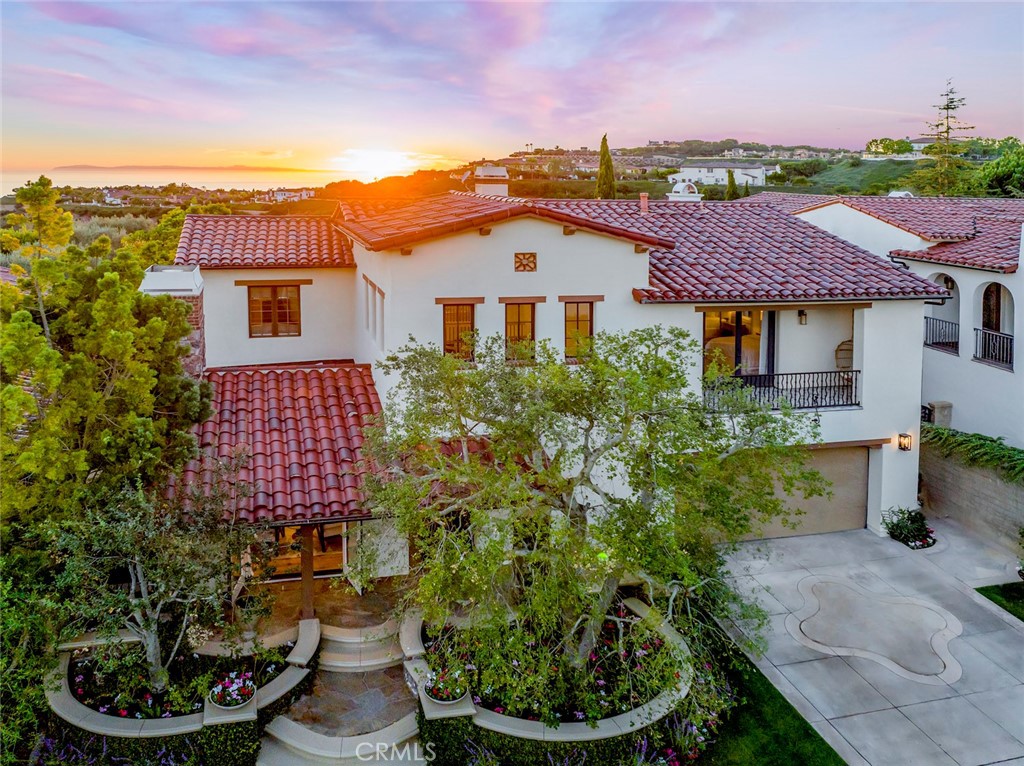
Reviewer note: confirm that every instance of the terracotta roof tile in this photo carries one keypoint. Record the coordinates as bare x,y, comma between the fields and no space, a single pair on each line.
262,242
994,247
787,202
934,218
727,251
303,426
441,214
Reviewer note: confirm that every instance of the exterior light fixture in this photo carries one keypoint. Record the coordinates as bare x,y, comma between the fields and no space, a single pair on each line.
802,316
904,442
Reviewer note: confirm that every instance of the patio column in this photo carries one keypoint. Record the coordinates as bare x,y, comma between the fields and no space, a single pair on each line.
307,571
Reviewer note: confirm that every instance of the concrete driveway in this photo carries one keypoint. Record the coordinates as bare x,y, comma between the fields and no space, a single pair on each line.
888,652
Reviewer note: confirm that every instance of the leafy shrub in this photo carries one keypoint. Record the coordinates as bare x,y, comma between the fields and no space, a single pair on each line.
908,527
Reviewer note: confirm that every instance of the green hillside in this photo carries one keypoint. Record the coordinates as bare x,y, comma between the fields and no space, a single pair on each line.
859,177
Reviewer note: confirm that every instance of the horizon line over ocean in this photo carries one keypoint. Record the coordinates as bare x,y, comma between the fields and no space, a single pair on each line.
227,178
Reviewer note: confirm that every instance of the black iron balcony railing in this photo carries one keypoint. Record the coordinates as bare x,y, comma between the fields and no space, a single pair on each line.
801,390
942,335
995,348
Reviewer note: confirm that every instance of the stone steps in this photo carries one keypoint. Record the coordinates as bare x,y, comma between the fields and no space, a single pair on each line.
361,656
287,742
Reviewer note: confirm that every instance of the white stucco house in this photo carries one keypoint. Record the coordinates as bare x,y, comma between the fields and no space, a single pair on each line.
295,312
717,172
972,247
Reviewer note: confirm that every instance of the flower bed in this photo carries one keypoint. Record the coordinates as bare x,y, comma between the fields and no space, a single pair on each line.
112,680
516,676
233,689
909,527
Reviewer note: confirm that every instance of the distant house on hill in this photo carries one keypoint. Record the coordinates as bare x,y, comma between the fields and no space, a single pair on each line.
919,144
289,195
491,179
717,172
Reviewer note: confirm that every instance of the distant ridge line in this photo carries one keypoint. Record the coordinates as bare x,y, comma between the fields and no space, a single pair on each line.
225,168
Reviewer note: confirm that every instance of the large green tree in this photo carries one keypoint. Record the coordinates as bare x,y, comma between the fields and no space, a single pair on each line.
102,401
605,172
1003,177
532,491
889,146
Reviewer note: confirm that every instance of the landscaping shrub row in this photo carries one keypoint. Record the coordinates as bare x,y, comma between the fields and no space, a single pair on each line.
456,741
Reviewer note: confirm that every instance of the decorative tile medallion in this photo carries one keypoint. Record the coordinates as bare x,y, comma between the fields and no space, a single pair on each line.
526,261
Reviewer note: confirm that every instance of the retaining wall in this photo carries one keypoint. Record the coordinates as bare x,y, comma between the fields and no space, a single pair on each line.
976,497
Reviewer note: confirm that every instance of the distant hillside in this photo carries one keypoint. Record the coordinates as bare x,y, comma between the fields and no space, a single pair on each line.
542,189
858,178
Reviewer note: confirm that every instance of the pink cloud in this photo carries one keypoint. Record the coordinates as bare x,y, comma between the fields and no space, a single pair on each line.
71,89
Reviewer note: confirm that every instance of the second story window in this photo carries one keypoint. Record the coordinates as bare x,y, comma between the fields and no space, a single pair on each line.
519,327
579,328
274,311
458,326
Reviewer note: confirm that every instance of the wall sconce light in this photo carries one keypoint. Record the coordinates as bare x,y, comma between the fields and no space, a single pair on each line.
904,442
802,316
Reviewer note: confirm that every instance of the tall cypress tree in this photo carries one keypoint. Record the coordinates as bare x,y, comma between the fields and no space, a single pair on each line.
746,188
605,173
731,190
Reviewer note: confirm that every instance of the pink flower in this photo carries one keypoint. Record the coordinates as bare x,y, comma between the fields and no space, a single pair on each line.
123,713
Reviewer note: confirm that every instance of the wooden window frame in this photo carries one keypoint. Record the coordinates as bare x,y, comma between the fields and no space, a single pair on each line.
274,287
576,339
465,349
518,305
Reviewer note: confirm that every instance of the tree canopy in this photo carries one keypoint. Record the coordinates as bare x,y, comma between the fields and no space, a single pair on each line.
532,490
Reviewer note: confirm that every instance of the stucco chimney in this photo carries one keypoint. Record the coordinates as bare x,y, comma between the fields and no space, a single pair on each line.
643,202
186,284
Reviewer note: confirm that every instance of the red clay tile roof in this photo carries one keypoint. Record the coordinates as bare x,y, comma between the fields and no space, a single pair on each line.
441,214
726,251
995,247
787,202
934,218
262,242
303,426
7,276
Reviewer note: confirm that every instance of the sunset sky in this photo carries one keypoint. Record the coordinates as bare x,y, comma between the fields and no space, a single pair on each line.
316,85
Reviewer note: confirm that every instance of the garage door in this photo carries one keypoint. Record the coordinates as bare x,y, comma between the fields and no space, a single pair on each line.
847,469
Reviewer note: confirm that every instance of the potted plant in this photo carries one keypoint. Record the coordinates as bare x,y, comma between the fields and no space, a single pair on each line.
233,690
447,687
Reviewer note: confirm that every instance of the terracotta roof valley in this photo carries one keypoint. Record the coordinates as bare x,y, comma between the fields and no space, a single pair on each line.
995,247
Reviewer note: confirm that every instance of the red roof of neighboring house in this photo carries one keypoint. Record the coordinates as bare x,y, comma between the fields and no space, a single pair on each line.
303,426
934,218
441,214
787,202
725,251
994,247
7,276
262,242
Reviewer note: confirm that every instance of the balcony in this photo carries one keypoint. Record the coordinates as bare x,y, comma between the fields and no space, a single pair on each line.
994,348
801,390
942,335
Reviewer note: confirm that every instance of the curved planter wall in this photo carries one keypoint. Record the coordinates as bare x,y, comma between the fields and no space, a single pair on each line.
64,704
418,672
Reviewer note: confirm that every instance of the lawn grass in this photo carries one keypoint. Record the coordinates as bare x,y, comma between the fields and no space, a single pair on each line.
766,730
1009,596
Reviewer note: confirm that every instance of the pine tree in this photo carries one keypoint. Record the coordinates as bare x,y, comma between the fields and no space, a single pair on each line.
950,172
731,190
606,172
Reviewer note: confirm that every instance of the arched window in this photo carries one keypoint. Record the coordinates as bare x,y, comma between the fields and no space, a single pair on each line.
991,307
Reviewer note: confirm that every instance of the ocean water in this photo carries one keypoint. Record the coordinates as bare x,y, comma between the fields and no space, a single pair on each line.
202,178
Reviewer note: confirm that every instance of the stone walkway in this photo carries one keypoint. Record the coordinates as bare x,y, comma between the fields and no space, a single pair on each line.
335,603
347,704
889,653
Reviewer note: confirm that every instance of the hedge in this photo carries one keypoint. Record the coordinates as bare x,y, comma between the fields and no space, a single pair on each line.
449,739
